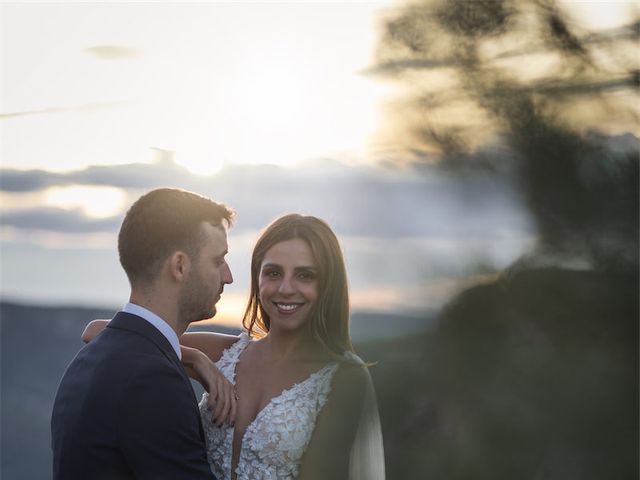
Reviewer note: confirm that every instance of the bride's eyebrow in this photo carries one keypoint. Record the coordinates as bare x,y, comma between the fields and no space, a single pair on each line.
309,268
270,265
302,267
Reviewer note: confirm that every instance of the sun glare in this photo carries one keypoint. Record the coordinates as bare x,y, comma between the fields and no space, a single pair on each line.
600,14
289,97
229,310
278,112
98,202
239,84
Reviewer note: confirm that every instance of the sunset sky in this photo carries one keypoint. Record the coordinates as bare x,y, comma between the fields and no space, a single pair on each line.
265,106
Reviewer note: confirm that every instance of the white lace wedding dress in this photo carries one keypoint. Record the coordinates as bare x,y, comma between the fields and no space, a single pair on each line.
274,442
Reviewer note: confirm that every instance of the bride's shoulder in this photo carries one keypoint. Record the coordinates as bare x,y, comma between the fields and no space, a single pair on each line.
351,377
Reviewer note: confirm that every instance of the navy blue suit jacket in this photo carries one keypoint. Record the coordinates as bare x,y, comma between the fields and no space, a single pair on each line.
126,409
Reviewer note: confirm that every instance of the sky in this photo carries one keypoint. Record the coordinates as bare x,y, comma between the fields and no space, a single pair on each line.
217,83
265,106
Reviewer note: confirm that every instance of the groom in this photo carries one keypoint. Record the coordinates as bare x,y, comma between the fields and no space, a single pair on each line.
125,408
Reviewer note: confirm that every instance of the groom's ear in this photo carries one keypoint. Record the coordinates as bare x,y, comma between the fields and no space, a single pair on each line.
179,265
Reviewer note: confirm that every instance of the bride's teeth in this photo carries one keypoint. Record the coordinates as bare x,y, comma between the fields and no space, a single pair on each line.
285,306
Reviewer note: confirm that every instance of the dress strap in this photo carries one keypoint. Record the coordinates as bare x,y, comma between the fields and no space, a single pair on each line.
352,357
230,356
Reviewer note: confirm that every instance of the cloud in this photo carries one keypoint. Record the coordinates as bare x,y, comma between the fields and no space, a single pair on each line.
12,180
89,107
113,52
129,176
411,235
57,220
356,201
426,294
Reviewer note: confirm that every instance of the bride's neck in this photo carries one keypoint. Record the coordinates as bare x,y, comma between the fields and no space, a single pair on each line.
292,346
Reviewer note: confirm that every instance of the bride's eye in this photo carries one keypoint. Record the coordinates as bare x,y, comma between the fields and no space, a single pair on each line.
271,273
307,275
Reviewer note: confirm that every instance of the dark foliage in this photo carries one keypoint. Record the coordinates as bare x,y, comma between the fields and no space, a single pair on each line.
533,375
582,196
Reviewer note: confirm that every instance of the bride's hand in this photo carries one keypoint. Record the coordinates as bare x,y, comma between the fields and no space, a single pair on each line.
93,328
222,398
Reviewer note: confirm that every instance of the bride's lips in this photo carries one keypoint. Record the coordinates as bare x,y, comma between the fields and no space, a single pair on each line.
288,308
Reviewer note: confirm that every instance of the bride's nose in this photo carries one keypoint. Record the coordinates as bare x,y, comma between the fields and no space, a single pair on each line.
286,286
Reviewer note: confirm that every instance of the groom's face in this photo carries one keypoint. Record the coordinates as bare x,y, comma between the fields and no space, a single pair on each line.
208,275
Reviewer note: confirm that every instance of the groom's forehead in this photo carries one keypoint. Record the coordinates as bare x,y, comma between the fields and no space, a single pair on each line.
216,236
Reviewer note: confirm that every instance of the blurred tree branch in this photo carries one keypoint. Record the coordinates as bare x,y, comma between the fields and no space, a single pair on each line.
530,73
533,375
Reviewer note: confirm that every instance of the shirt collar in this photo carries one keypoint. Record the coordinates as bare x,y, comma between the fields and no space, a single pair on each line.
157,322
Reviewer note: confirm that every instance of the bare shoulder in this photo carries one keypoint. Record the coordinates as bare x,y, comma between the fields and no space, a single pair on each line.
336,425
351,379
210,343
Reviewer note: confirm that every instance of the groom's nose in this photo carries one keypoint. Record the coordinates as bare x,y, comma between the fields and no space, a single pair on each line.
226,277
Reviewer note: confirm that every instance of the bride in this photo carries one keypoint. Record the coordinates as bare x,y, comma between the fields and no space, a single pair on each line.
288,398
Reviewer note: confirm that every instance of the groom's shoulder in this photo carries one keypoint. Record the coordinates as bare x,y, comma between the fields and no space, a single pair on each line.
121,366
128,349
118,354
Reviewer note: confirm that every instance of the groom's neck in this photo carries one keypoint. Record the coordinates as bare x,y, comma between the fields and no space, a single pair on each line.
162,305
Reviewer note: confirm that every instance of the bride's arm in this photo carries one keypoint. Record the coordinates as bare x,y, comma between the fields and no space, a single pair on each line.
93,328
212,344
327,455
199,351
222,398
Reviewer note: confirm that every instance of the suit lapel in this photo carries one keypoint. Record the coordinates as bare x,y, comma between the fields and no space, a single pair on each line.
136,324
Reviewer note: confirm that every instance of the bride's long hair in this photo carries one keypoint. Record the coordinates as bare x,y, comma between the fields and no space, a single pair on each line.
329,320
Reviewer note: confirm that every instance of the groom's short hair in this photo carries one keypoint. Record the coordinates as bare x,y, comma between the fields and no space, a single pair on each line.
162,222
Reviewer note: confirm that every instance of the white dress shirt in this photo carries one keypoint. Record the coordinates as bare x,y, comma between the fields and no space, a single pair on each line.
157,322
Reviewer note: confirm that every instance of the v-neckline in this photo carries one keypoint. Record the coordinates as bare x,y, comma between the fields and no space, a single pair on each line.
266,406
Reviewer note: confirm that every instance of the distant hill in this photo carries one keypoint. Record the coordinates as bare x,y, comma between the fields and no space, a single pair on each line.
532,375
38,342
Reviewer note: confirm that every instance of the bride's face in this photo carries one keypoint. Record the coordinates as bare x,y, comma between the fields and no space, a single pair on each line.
288,284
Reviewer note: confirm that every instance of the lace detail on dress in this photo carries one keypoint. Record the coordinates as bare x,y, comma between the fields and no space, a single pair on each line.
274,442
219,440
